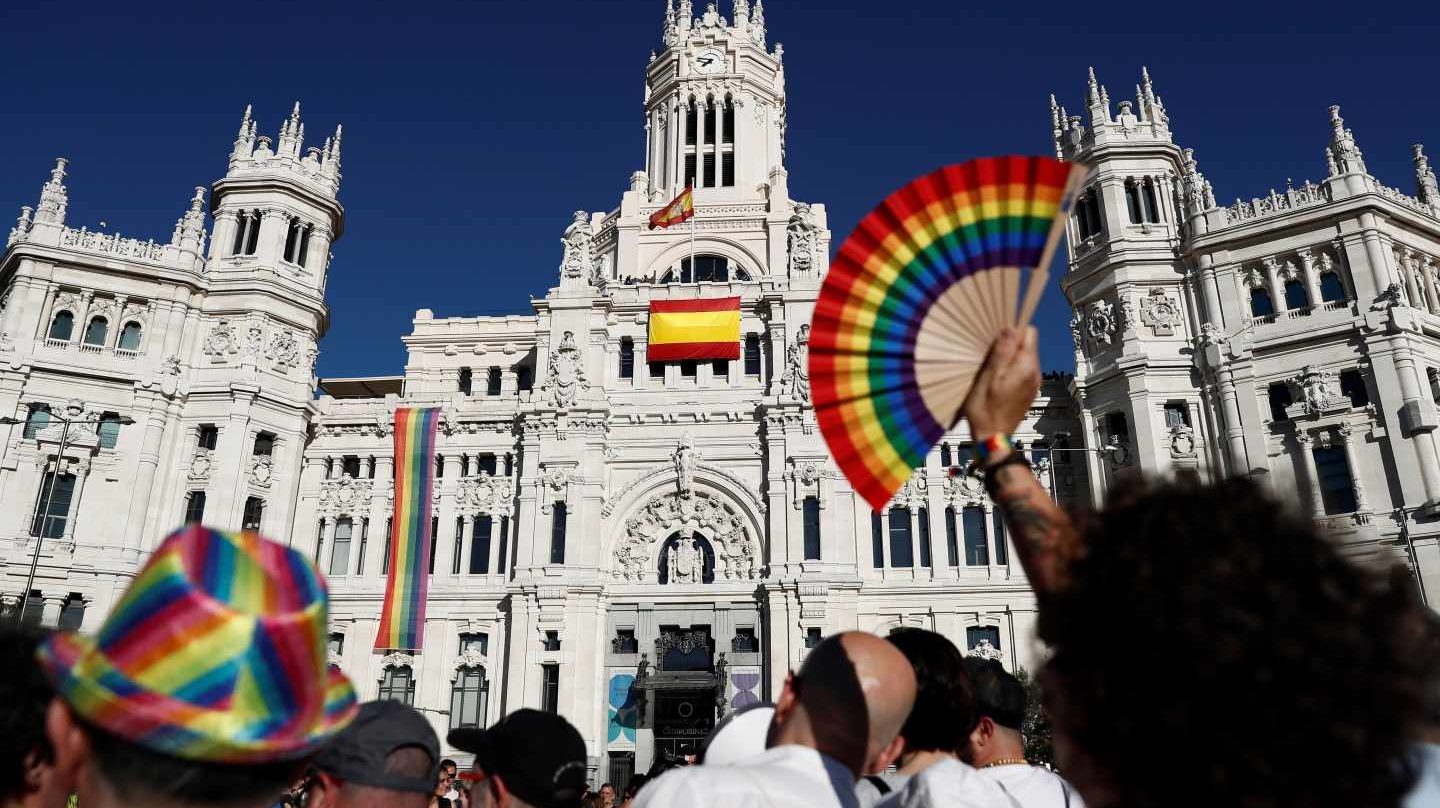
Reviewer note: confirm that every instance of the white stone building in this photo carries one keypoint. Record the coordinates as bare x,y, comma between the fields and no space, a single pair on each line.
641,546
1295,337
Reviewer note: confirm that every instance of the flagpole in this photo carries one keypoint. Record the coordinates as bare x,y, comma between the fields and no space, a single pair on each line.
694,213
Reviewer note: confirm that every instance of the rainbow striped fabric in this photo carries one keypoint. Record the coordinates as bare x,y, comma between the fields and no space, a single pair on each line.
216,652
708,328
402,618
914,298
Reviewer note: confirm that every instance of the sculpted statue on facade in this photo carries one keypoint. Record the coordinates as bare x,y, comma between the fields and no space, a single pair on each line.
803,234
796,379
686,459
576,262
1320,390
984,649
567,372
686,562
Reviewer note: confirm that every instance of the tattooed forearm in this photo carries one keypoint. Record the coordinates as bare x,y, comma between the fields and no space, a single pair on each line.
1042,532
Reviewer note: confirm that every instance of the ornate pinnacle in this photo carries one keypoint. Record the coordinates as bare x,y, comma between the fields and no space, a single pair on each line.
1343,148
757,23
741,13
1092,90
53,197
244,124
1429,189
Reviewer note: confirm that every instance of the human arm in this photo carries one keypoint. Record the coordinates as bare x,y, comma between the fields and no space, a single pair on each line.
999,399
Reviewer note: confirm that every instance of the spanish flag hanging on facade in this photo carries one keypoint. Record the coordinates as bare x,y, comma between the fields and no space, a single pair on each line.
680,209
708,328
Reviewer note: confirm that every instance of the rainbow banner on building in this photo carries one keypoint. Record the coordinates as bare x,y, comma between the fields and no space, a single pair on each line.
708,328
402,619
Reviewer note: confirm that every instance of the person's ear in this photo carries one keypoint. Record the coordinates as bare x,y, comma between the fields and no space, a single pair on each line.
889,754
499,790
71,746
319,793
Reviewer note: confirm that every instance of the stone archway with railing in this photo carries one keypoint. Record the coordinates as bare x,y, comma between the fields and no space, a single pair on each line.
729,529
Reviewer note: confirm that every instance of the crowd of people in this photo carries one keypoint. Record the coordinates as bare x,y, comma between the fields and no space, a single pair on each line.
1259,668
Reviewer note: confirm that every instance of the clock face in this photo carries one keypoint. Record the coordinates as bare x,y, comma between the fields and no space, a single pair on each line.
710,61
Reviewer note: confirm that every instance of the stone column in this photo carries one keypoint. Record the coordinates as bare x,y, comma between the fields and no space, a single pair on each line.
1094,467
153,418
50,616
327,547
1277,290
1234,430
1374,253
1362,502
1424,439
465,534
224,236
1312,277
1305,442
1412,286
914,514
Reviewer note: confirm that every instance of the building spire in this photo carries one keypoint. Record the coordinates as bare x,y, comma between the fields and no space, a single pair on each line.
1427,188
757,23
53,197
686,14
1092,90
741,13
1057,127
330,166
22,226
190,229
1344,150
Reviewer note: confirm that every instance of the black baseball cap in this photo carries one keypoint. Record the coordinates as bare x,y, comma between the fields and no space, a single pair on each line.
358,753
540,756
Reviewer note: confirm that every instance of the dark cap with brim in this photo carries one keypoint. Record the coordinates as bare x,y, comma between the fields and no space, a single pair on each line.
359,754
539,756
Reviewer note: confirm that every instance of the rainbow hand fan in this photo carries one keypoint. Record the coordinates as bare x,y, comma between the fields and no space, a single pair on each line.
914,299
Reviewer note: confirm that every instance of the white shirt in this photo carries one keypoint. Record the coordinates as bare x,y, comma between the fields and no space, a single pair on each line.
1034,786
949,784
781,777
869,794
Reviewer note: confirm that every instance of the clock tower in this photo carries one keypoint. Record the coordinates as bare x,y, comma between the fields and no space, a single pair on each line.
714,104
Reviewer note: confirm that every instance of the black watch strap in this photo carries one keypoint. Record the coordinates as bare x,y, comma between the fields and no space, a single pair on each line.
1015,458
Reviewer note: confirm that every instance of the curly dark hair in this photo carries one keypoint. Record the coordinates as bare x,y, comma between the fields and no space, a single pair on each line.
1257,666
944,713
26,695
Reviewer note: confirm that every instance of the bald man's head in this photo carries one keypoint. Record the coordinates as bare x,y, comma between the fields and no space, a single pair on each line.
848,701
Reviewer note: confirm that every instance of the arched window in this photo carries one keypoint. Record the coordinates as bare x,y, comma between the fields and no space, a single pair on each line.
692,132
1331,289
1295,296
397,684
1260,303
727,145
1149,205
712,112
247,232
469,698
1087,215
130,336
297,241
689,550
63,326
97,331
701,269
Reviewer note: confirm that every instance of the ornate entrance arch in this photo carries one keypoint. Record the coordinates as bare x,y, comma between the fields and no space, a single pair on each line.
700,512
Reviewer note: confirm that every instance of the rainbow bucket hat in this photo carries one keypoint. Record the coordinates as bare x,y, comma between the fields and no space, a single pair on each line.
215,653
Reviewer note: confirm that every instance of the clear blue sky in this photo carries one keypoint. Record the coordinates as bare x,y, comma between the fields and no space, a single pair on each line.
473,129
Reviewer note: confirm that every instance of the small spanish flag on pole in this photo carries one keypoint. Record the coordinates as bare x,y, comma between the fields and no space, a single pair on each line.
680,209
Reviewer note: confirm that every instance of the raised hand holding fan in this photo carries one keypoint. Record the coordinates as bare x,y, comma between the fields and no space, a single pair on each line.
914,299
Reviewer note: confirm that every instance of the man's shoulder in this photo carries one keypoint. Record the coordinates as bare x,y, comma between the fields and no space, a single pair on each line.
950,783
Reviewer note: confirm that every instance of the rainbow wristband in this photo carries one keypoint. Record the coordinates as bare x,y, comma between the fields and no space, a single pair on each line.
993,445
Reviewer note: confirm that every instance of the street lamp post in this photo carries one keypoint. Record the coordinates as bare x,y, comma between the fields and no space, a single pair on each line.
44,520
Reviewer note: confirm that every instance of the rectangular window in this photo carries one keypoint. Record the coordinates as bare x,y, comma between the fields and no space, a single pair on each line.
625,642
52,508
434,541
692,125
207,436
1352,386
469,697
489,464
350,464
964,455
1002,553
812,528
877,540
901,553
457,556
36,420
264,445
478,642
1333,470
1117,426
709,170
1176,414
336,643
340,549
550,688
108,430
480,545
254,514
466,381
813,637
627,358
974,635
1039,450
492,382
952,539
72,613
1132,201
398,684
504,545
945,459
385,554
924,517
319,540
1280,398
439,466
195,508
364,540
1148,201
690,169
689,369
557,534
977,549
745,641
551,641
720,370
525,377
752,354
727,168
